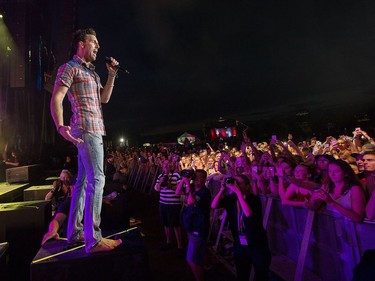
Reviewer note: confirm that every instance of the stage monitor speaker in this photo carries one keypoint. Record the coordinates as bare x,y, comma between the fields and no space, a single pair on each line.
36,192
23,225
4,261
31,173
2,172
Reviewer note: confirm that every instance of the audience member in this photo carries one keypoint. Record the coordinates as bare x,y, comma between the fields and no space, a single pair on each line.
62,189
369,182
294,195
169,205
343,192
199,196
70,165
321,168
244,211
13,160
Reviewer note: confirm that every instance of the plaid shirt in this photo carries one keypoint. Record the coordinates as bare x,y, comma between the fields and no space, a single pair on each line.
84,94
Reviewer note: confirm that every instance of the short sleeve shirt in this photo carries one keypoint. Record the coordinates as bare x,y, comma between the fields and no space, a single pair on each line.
84,94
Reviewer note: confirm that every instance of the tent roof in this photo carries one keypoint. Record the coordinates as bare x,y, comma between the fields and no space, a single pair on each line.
186,135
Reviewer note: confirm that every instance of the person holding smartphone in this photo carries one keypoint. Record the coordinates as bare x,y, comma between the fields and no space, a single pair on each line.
62,189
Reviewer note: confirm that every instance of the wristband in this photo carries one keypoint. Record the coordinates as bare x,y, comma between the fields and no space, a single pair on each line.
58,129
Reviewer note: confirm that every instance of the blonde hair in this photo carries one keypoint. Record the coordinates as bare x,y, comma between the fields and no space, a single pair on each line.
66,172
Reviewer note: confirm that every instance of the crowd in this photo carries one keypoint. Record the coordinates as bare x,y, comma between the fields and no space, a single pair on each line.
330,173
336,174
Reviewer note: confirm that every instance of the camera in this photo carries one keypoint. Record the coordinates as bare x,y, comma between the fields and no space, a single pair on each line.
230,180
164,181
58,186
187,173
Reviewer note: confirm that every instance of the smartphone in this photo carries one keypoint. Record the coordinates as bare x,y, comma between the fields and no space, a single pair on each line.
272,170
274,137
254,143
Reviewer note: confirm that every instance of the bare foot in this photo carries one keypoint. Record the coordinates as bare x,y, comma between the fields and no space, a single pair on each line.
49,236
105,245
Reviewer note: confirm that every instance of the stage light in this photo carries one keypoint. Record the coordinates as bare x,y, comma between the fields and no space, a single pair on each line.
1,16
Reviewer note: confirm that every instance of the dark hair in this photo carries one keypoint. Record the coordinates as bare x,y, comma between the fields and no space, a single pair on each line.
202,172
308,167
350,178
80,35
244,178
372,152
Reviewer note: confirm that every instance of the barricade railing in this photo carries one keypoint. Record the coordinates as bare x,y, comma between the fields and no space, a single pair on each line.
142,177
310,246
313,246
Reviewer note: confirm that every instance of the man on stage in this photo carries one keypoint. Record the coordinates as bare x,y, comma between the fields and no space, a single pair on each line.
78,79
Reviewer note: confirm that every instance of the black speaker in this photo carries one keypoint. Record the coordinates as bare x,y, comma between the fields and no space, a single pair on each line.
3,261
36,192
128,262
31,173
2,172
12,192
23,225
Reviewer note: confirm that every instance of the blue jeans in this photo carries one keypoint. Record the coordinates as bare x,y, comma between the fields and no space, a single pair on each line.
88,190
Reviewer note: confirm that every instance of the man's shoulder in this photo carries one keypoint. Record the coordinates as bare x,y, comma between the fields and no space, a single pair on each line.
68,66
72,63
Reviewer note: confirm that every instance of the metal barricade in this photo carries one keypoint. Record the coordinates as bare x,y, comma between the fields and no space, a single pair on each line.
310,246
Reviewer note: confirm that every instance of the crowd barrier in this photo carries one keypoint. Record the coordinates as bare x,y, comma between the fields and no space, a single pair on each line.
318,246
327,244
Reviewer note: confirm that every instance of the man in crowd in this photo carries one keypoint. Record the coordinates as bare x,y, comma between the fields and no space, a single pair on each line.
169,205
197,195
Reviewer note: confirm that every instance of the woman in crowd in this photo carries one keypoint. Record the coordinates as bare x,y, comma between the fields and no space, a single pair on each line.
360,165
284,169
321,168
210,167
343,192
294,195
267,182
62,189
264,182
185,162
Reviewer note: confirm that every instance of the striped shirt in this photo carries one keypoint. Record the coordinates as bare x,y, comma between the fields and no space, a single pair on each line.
84,94
168,195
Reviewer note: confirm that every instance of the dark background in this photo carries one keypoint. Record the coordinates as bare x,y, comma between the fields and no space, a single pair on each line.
304,67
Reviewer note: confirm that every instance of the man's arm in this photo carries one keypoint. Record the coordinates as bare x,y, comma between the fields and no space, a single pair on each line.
106,91
56,107
370,207
57,112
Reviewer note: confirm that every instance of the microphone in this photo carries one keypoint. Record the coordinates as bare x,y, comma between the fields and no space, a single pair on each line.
108,60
